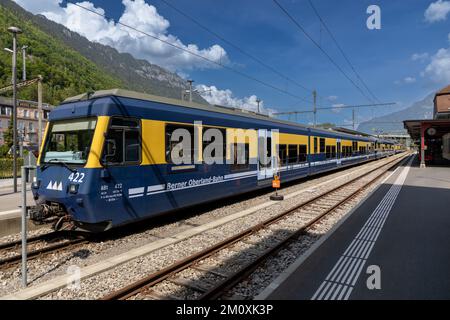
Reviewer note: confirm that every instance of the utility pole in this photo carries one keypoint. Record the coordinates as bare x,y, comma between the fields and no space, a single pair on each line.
15,31
353,118
40,115
190,89
24,64
258,101
315,107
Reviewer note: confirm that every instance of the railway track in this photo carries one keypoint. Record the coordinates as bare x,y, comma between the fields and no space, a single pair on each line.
211,273
44,244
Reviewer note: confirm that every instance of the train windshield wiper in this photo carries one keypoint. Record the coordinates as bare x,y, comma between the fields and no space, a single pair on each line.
56,161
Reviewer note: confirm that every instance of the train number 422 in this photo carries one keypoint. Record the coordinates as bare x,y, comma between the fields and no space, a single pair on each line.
76,177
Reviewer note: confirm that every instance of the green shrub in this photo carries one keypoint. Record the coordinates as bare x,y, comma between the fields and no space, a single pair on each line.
6,167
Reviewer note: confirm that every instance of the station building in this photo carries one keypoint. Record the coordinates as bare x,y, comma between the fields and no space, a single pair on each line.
433,135
27,119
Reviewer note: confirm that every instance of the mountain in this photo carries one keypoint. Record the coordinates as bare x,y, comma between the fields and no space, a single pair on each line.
118,69
65,71
392,123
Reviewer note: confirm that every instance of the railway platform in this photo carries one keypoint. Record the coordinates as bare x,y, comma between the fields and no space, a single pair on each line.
393,245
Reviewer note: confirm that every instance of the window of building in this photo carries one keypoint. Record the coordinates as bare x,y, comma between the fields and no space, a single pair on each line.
26,113
292,154
322,145
123,142
240,154
36,114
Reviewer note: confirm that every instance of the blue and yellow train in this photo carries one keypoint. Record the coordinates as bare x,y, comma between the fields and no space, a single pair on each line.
106,157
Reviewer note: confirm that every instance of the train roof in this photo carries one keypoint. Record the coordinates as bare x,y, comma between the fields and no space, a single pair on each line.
207,107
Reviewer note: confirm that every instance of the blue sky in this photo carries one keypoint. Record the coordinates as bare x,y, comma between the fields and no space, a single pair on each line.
406,59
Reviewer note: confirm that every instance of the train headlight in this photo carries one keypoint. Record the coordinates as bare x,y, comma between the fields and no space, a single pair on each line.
73,188
36,183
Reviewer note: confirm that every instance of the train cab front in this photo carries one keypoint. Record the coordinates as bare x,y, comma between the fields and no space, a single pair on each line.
66,175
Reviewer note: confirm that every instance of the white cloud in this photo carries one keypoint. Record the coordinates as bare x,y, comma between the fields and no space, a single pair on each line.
437,11
438,70
226,98
337,107
139,15
420,56
406,80
332,98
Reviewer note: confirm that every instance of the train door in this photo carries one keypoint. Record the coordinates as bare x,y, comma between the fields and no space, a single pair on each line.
338,152
266,161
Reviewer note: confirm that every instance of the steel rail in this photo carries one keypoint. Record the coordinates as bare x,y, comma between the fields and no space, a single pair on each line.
14,259
157,277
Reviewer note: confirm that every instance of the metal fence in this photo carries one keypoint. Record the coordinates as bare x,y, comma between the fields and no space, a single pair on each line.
6,167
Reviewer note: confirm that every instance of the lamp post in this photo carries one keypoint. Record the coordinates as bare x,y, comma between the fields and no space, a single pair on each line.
24,64
190,89
15,31
258,101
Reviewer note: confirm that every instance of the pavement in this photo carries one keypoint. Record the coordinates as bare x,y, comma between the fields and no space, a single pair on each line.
10,207
394,245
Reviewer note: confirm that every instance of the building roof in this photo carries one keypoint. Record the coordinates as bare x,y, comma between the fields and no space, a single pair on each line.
23,103
445,90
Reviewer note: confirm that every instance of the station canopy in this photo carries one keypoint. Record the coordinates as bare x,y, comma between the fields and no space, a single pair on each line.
414,127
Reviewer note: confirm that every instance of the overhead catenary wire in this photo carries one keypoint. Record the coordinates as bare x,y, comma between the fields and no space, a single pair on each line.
242,74
238,48
340,107
342,51
299,26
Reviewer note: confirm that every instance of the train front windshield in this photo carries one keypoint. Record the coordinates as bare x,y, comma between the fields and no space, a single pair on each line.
69,141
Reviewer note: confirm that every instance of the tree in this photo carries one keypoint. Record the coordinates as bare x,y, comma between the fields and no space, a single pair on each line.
8,135
326,125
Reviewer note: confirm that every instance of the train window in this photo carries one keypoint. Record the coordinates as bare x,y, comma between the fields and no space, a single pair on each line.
292,153
302,153
322,145
69,141
123,142
175,144
354,146
124,122
315,145
241,156
211,133
132,146
282,154
328,152
346,151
